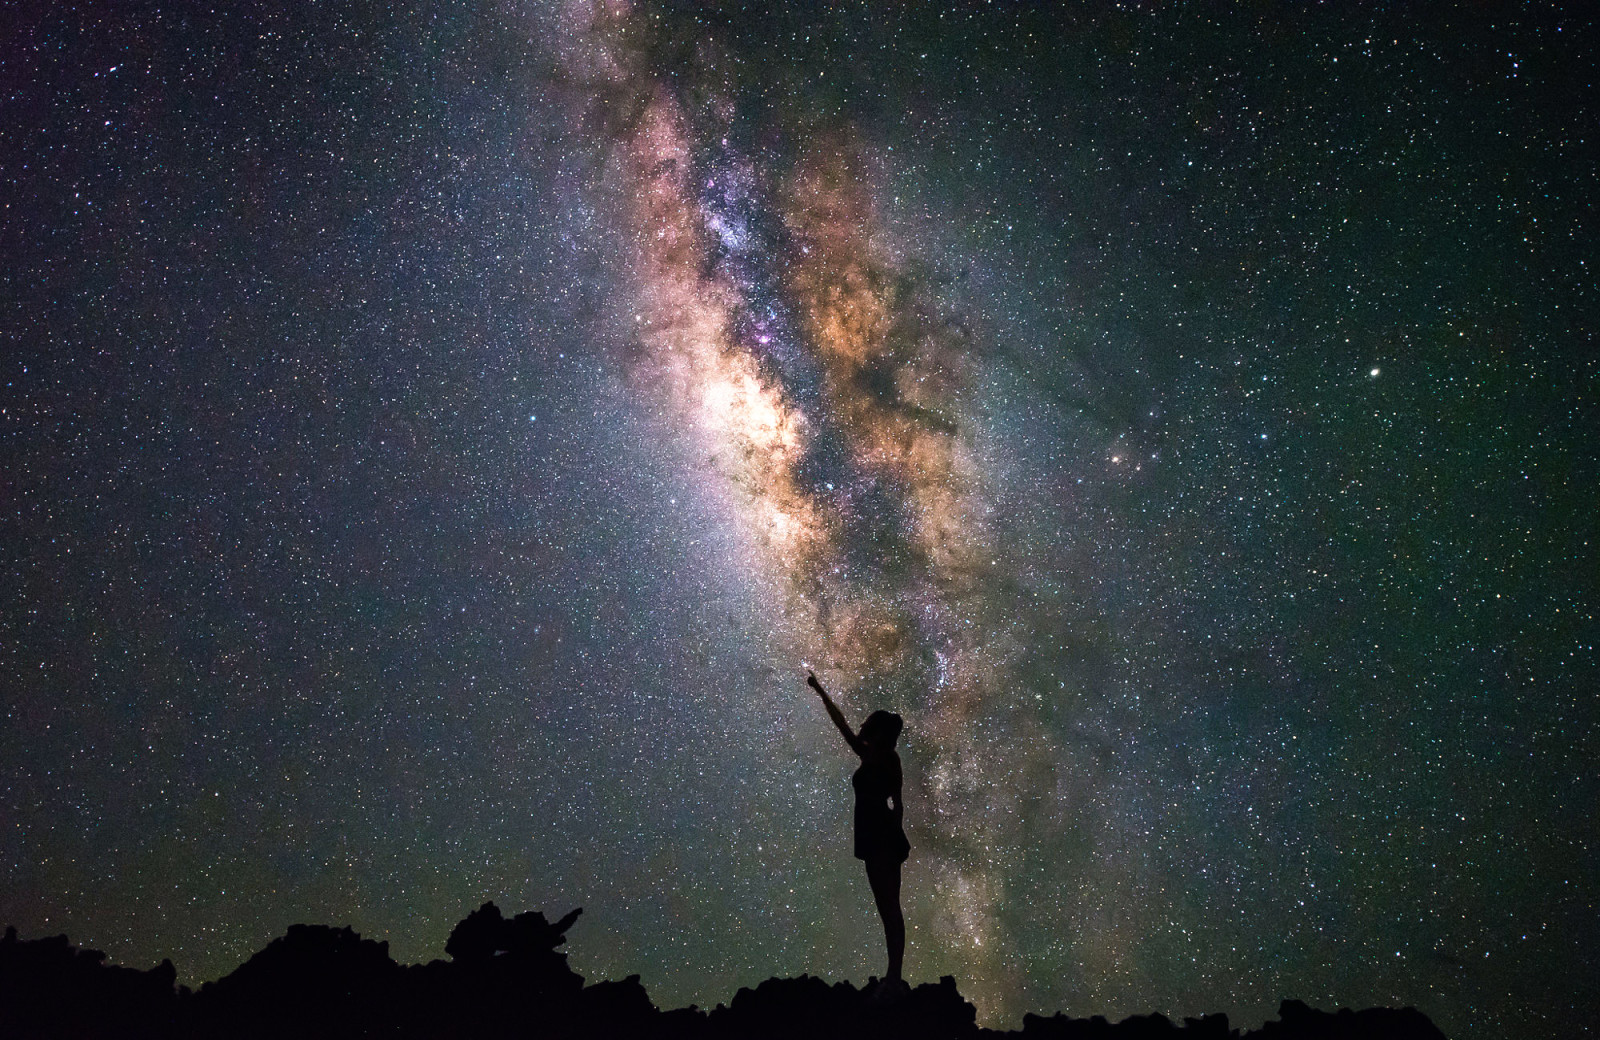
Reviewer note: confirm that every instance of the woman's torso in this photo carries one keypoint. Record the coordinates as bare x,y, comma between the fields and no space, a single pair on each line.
878,833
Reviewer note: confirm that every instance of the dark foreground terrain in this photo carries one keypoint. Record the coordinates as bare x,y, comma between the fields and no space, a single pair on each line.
505,978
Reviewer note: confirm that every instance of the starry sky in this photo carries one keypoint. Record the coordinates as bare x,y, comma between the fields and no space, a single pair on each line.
435,440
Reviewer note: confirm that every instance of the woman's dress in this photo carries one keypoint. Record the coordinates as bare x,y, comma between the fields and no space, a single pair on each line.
879,835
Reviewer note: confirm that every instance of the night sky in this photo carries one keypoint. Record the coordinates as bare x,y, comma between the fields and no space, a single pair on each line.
435,441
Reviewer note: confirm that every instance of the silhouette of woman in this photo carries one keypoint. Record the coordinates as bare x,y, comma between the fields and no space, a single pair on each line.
880,839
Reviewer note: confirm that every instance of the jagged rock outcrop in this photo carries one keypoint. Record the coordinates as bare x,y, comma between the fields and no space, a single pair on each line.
506,979
49,988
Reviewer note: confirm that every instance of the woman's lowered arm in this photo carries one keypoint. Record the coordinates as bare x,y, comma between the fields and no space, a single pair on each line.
896,806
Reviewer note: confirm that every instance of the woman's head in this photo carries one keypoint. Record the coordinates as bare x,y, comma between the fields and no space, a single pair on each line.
882,729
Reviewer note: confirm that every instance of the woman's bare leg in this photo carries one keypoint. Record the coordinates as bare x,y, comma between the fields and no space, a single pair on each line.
884,876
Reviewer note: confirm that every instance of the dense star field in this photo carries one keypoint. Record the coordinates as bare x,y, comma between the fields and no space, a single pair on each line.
436,442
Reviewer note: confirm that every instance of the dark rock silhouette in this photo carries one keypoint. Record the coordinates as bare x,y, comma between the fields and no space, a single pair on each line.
1295,1021
314,978
506,979
50,989
485,933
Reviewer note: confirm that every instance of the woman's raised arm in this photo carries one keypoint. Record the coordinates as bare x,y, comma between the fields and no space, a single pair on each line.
835,714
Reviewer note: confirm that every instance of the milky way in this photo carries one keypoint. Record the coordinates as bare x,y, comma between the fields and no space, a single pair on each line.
827,382
437,443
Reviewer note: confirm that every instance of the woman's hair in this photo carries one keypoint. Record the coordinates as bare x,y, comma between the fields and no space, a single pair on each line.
882,728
